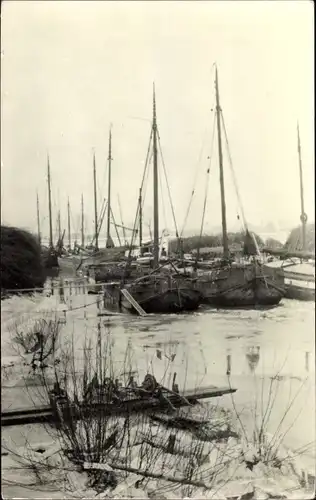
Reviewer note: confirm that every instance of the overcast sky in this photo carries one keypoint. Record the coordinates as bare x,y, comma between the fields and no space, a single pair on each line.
69,69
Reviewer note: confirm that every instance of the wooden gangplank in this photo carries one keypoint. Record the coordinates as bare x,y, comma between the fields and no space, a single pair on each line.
133,302
46,413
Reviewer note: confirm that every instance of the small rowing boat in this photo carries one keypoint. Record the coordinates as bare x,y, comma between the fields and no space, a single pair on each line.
150,396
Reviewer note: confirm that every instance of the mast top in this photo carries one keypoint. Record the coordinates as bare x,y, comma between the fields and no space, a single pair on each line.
110,143
154,107
216,89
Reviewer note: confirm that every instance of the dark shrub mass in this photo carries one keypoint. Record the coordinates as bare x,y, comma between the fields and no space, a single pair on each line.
21,261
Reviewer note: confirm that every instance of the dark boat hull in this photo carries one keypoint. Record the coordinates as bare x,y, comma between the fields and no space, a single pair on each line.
169,302
241,287
299,280
247,297
296,292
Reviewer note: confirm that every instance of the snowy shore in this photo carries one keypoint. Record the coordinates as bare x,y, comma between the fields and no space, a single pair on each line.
226,468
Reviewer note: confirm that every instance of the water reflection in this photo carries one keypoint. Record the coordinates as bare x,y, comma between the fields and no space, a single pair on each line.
253,356
229,364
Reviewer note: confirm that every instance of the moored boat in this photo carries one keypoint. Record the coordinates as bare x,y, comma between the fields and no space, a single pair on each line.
229,284
158,292
299,278
297,266
242,286
155,293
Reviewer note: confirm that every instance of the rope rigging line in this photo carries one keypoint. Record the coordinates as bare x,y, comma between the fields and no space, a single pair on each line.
76,226
145,184
206,188
100,219
168,187
162,198
197,170
136,220
244,222
102,215
43,203
105,173
194,185
115,227
147,157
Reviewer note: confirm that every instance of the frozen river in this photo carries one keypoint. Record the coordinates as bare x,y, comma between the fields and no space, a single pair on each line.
268,355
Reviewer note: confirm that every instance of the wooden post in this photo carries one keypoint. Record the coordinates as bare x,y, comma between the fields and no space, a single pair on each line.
61,291
99,302
175,386
85,307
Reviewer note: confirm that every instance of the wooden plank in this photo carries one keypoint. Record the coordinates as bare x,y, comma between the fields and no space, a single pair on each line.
27,417
133,302
45,413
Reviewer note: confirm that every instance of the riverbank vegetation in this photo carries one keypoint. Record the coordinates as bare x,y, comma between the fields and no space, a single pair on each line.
202,451
21,261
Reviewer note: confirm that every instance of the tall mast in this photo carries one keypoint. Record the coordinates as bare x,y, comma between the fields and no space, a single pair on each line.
95,204
38,220
59,225
221,170
303,214
108,236
156,207
51,245
69,233
82,222
140,221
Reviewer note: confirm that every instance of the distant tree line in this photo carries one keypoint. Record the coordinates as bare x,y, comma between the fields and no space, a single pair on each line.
212,240
295,240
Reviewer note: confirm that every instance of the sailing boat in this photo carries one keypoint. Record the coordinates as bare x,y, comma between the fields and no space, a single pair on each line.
157,292
232,284
299,277
49,255
67,260
106,264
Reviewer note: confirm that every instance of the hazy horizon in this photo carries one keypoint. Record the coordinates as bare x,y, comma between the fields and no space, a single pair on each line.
70,69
